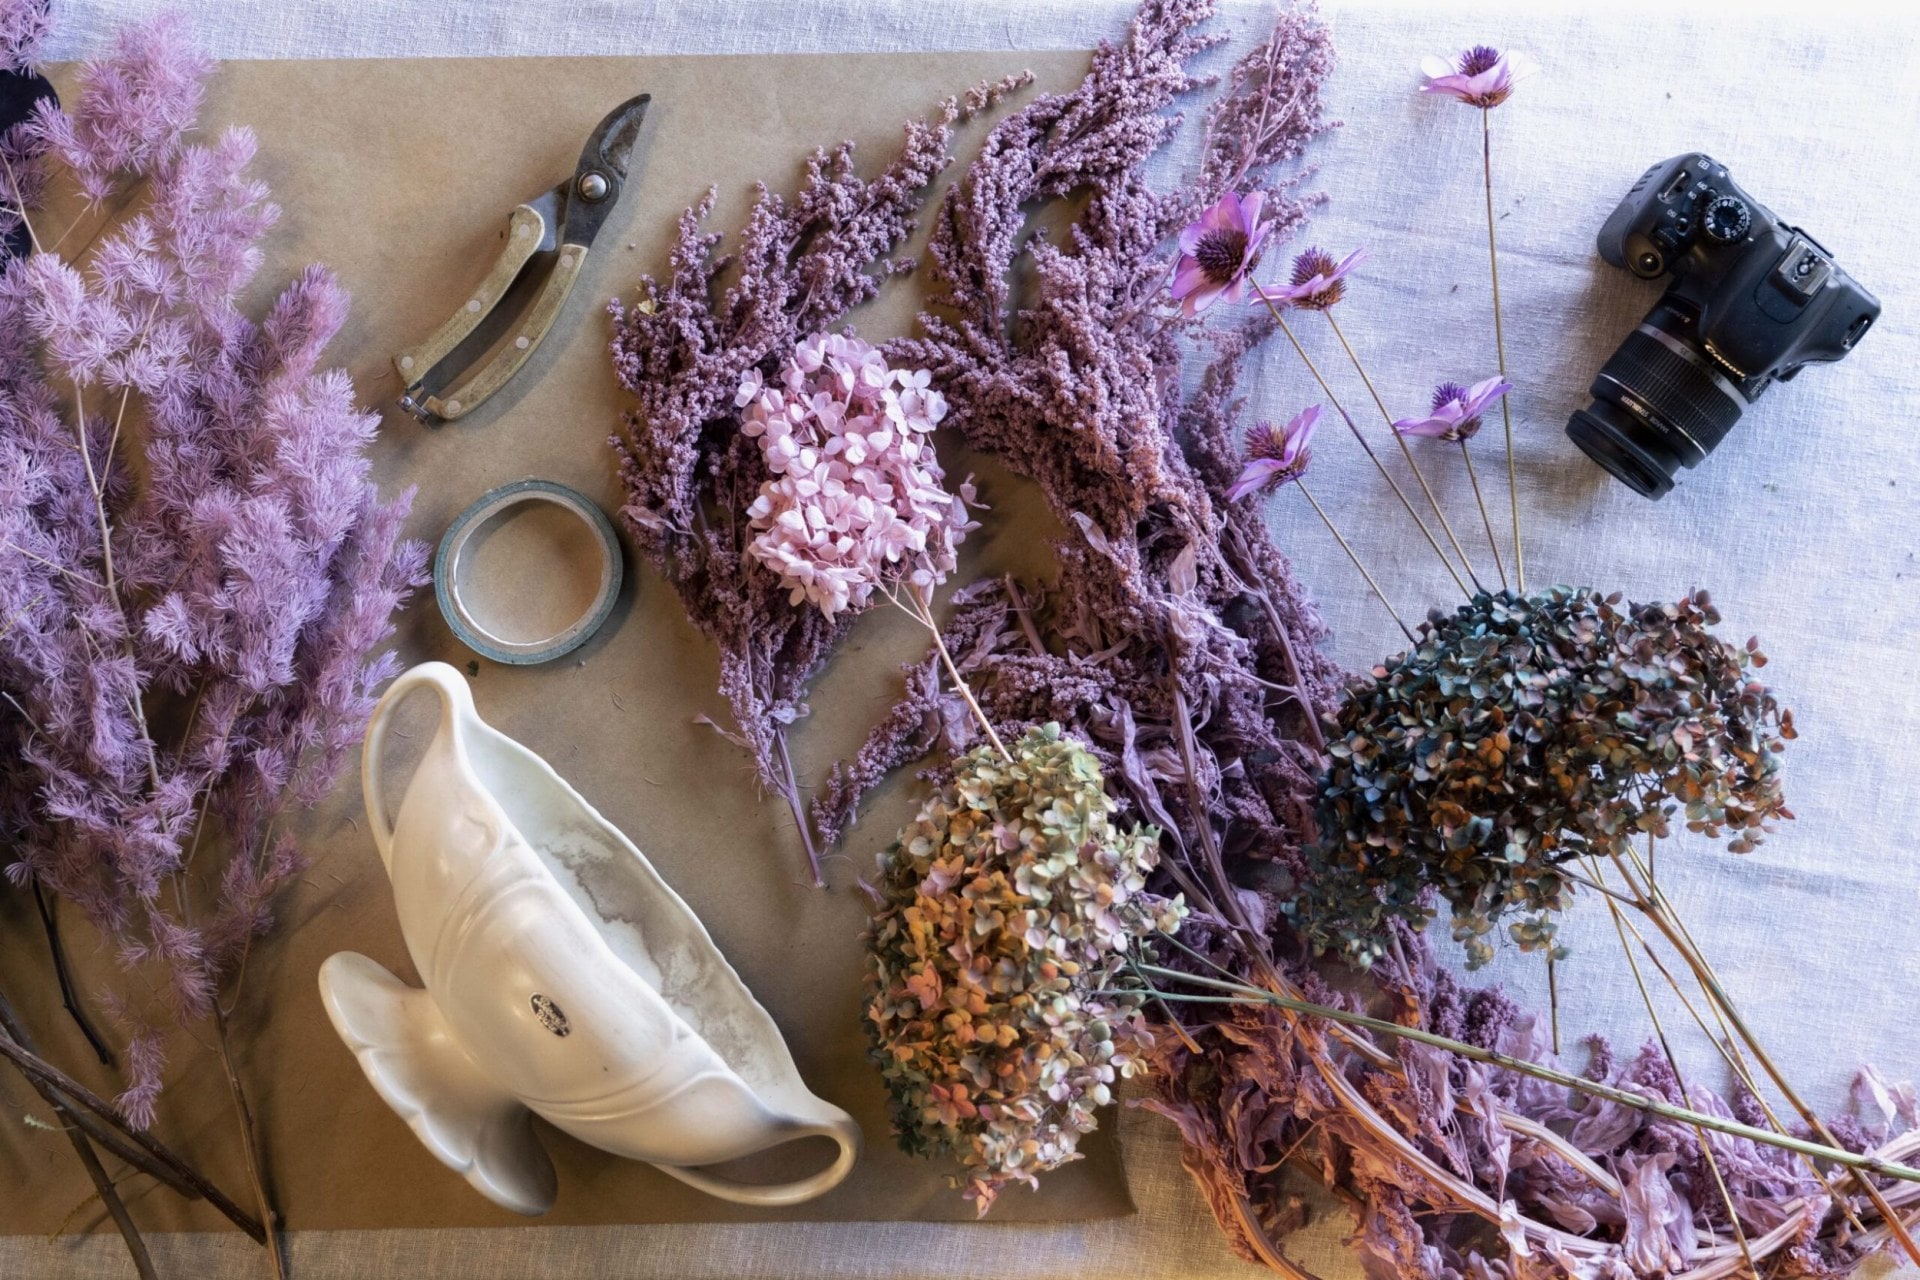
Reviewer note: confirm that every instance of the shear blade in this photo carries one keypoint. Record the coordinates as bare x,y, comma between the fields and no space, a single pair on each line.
610,145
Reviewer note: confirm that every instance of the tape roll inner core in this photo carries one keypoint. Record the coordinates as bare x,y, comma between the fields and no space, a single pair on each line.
528,572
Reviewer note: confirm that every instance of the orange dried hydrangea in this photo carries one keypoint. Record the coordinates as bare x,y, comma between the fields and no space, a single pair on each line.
1009,906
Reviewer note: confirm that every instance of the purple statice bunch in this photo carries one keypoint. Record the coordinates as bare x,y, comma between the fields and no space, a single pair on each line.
197,572
1482,76
686,346
1456,410
1276,456
855,498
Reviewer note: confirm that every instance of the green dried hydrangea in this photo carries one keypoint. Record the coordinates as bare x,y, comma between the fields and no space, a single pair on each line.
1009,906
1521,734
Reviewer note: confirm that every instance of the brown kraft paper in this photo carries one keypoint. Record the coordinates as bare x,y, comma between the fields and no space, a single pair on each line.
399,175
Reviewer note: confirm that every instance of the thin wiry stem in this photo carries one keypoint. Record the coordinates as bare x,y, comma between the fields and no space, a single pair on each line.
922,612
1500,348
79,1134
250,1146
1486,522
1659,910
1724,1042
1346,547
1686,1098
1352,427
1243,994
1553,999
81,578
69,998
13,185
1405,452
178,1172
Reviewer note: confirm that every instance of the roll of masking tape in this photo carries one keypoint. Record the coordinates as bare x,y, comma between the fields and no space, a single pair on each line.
527,573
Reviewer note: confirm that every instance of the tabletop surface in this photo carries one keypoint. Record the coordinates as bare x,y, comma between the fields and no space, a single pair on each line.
1803,525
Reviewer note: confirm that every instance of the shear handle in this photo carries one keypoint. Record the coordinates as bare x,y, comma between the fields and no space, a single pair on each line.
527,229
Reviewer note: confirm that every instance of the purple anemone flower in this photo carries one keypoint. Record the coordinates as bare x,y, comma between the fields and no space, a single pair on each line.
1317,281
1275,457
1456,410
1480,77
1218,251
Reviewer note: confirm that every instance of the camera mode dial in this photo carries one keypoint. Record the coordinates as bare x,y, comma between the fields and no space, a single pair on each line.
1726,219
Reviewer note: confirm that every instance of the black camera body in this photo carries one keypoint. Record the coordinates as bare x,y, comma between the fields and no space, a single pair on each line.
1753,301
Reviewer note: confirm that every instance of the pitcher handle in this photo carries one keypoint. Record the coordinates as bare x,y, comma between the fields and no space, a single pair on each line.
843,1131
454,697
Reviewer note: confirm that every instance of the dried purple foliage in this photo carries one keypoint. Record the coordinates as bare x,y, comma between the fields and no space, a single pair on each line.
685,348
24,27
195,566
1177,645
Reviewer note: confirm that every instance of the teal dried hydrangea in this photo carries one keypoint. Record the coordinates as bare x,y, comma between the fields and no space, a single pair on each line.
1523,734
1009,906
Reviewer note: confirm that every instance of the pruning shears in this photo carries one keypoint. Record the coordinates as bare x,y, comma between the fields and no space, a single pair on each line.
478,349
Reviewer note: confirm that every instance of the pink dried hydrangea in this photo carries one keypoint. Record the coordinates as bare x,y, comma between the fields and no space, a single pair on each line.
857,499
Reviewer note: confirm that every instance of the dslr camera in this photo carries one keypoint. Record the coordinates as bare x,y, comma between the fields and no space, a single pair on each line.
1753,301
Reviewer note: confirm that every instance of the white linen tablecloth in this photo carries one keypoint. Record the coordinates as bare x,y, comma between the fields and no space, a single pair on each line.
1803,525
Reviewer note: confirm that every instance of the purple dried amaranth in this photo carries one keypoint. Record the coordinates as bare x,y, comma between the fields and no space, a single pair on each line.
684,349
197,567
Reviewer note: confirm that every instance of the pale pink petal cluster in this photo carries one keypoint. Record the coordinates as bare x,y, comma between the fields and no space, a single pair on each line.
857,499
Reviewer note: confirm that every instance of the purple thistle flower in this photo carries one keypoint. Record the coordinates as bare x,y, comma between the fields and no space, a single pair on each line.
1276,458
1317,281
1456,410
1480,77
1218,251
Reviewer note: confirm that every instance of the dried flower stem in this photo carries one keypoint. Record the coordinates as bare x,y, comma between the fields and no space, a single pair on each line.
135,1147
250,1145
78,1135
19,209
1352,427
1500,348
790,788
1243,994
69,998
1725,1042
1686,1097
1250,580
1553,1000
922,612
116,1208
1486,522
1346,547
1657,908
1405,452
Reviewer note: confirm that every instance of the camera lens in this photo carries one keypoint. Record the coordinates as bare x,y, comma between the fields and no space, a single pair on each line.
1659,405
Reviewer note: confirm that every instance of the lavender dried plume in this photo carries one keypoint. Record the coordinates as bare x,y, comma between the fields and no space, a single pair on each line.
196,570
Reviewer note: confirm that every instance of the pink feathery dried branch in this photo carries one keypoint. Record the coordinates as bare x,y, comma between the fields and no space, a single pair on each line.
197,573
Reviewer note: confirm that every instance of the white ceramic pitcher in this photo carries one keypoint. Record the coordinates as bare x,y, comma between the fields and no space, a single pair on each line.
564,978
